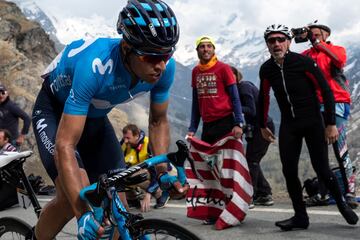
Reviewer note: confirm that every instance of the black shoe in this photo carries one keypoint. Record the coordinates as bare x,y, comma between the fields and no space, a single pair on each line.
293,223
317,200
349,215
264,200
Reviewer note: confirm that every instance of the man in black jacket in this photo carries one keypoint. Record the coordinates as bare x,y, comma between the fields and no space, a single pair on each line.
294,79
257,146
9,118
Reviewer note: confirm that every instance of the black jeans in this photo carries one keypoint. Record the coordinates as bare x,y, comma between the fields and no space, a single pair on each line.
255,150
291,136
215,130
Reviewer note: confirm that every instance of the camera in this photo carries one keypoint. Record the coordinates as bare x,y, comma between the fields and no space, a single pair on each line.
297,32
249,132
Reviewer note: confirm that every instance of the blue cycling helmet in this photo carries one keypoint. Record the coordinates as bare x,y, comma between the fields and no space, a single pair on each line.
149,26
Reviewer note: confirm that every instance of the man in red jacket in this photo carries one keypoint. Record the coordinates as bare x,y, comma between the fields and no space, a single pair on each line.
331,60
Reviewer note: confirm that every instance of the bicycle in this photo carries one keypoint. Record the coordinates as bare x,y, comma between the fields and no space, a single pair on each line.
103,195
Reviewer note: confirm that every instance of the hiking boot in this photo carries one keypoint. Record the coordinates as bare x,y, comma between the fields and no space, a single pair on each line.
264,200
350,199
296,223
162,200
317,200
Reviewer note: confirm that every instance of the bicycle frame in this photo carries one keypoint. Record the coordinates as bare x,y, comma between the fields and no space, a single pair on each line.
103,194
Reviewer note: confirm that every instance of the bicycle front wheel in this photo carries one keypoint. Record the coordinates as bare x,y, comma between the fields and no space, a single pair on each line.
155,229
13,228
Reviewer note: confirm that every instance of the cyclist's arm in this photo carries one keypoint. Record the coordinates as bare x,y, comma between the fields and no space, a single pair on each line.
69,132
159,132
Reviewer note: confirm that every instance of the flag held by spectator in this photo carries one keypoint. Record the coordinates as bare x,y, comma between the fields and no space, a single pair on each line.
223,190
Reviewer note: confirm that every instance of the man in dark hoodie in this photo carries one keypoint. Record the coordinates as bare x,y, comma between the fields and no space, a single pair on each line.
257,146
9,118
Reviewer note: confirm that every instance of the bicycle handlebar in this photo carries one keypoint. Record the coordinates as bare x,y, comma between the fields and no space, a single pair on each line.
96,192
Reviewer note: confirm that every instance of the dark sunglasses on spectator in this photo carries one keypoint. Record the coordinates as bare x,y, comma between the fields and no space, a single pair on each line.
152,57
272,40
2,92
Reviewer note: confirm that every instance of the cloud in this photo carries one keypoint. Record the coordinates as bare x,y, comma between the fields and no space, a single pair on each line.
199,17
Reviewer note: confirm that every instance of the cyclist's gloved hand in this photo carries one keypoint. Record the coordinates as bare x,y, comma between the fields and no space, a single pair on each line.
88,227
173,186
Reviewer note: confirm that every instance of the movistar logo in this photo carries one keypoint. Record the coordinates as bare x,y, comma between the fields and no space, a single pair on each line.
40,126
98,66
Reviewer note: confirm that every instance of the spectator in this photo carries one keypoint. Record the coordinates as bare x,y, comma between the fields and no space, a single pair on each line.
8,196
215,97
5,145
331,60
9,118
135,146
294,79
257,146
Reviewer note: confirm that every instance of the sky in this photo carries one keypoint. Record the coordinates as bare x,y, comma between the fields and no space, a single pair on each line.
198,17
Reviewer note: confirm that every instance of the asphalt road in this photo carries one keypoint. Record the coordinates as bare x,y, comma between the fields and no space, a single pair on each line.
325,223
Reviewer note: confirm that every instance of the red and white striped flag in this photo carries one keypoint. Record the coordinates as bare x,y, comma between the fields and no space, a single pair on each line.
225,190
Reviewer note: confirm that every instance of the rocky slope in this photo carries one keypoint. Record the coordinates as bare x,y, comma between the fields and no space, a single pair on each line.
25,51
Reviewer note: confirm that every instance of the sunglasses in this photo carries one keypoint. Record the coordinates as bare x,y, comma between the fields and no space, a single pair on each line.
152,57
274,39
2,92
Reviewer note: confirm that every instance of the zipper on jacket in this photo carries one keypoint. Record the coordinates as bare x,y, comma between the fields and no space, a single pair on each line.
287,94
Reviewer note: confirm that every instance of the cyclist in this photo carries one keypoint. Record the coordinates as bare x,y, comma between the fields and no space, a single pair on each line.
86,80
294,79
331,60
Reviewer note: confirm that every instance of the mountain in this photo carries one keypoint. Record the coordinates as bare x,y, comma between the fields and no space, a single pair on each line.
242,48
25,51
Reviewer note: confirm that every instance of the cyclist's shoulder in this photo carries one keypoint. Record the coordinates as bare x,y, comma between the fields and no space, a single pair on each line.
169,73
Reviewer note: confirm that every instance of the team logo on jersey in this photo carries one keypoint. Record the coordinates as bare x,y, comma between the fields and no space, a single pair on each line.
72,95
98,66
75,51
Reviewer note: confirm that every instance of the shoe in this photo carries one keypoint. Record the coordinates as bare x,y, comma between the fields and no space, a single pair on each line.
251,205
210,221
349,215
351,200
317,200
162,200
264,200
295,223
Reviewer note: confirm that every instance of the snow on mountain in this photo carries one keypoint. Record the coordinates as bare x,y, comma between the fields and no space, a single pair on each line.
239,47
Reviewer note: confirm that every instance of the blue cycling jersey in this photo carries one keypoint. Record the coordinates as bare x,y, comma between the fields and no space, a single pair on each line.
90,79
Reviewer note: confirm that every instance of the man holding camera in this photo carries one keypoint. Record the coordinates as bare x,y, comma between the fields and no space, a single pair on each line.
331,60
256,146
